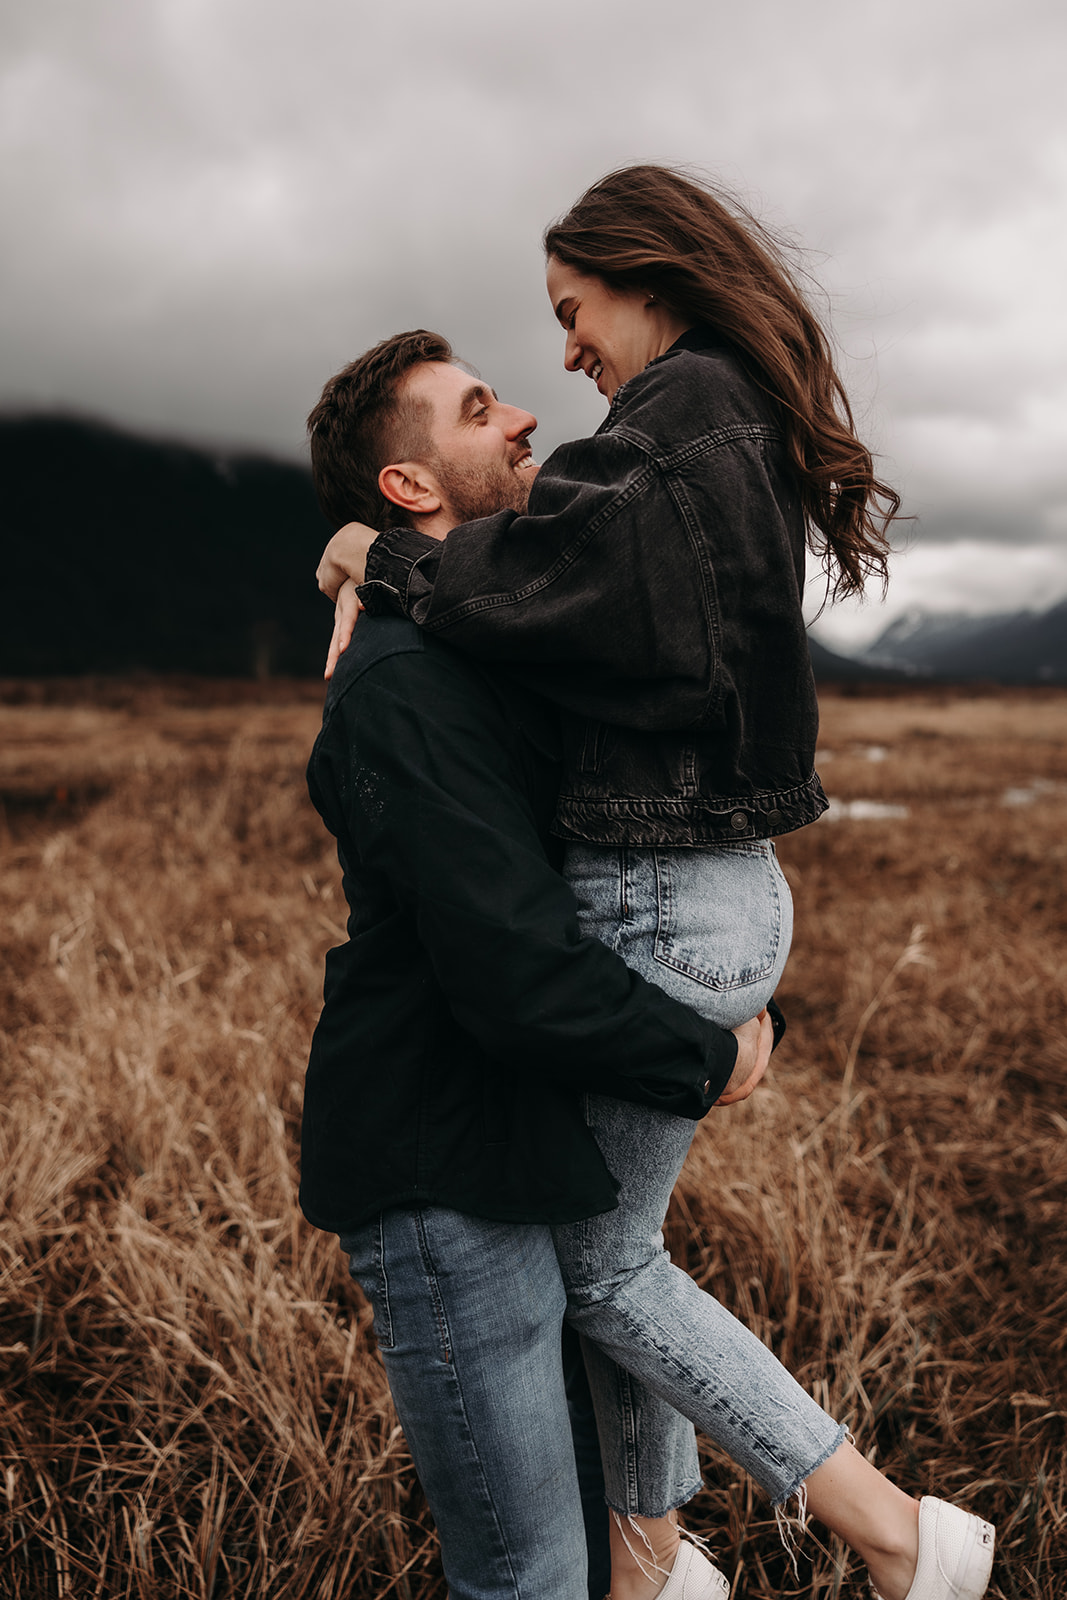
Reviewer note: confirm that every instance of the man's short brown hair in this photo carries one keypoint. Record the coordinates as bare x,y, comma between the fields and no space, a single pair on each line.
364,421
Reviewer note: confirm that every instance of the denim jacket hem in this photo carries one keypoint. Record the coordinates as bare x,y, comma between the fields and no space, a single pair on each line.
690,822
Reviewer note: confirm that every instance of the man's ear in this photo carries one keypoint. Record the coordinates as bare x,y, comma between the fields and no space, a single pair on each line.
411,486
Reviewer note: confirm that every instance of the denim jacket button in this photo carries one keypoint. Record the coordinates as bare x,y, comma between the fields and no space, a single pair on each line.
774,816
738,821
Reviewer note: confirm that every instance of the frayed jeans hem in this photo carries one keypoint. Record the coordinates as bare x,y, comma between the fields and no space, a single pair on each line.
795,1488
681,1498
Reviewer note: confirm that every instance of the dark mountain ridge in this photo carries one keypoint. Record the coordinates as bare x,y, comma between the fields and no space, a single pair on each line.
829,667
127,554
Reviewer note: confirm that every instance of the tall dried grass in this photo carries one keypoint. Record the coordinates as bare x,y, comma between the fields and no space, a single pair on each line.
193,1407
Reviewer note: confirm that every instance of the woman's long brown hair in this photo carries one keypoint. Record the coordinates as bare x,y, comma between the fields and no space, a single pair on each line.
656,229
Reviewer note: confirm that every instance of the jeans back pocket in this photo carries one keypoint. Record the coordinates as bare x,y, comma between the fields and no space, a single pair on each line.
724,915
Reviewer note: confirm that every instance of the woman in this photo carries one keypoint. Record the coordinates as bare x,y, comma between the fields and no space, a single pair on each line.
654,591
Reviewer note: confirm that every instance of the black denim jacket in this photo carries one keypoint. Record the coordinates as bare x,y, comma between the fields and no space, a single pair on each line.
466,1013
653,591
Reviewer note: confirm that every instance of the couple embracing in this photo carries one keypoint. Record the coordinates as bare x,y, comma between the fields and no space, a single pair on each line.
555,754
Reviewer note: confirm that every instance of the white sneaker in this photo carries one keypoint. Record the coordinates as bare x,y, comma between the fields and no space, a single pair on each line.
694,1578
955,1554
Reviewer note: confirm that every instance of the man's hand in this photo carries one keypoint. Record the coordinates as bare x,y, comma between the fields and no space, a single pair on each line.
345,557
754,1042
345,616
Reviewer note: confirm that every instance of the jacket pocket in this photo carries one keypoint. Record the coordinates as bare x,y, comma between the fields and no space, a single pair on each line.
594,747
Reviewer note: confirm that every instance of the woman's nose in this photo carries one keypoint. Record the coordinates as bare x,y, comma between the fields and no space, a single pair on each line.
572,352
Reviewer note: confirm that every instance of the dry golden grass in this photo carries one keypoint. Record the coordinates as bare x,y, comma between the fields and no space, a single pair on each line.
192,1406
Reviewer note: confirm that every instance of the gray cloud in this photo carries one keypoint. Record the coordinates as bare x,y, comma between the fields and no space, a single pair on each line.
211,205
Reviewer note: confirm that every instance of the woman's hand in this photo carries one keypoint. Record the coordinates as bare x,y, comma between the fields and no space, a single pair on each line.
755,1041
345,615
345,557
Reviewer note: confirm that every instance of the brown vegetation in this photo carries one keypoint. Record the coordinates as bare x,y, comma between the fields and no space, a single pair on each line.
192,1405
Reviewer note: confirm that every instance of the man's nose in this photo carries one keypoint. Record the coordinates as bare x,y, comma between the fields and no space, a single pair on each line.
518,423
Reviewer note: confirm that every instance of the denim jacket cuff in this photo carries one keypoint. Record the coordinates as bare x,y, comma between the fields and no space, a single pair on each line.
401,565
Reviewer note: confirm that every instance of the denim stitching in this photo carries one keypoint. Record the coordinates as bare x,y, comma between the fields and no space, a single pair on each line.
626,894
716,980
384,1334
628,1428
434,1288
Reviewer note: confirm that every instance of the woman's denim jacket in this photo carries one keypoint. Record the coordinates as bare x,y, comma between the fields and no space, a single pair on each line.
653,591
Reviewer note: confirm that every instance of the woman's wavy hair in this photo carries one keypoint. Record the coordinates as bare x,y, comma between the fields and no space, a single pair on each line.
659,230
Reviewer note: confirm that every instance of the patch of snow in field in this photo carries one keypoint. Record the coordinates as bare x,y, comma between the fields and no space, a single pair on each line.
870,752
863,810
1034,791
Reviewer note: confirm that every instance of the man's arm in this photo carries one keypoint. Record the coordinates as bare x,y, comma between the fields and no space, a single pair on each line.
426,768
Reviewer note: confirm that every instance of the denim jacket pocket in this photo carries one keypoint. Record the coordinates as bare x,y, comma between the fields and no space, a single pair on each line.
596,737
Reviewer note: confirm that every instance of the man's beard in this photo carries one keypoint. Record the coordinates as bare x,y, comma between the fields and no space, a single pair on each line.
473,492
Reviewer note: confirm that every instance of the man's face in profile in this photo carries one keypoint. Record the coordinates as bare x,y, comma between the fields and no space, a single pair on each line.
482,459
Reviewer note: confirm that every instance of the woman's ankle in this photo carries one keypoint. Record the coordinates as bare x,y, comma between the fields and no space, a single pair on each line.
878,1521
643,1551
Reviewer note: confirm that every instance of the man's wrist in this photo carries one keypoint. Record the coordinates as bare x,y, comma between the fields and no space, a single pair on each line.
721,1064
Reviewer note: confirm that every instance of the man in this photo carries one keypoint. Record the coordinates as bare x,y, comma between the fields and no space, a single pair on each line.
443,1130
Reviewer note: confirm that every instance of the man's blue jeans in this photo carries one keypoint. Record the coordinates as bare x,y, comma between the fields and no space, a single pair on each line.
468,1315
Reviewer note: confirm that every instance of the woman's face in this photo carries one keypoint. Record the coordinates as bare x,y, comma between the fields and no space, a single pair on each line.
612,334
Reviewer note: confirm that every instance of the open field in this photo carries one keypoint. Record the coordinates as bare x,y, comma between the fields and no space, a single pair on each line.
192,1404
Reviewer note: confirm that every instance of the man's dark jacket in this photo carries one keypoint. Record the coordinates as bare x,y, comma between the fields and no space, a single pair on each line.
466,1013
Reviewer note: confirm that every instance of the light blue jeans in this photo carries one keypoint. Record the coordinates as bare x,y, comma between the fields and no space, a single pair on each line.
712,927
468,1315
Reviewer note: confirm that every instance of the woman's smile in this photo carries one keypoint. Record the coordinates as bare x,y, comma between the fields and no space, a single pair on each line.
612,334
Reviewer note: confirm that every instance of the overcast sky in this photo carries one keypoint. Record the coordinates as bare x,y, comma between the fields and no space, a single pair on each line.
212,204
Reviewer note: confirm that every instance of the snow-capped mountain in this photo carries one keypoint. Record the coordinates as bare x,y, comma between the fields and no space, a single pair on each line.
1016,647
